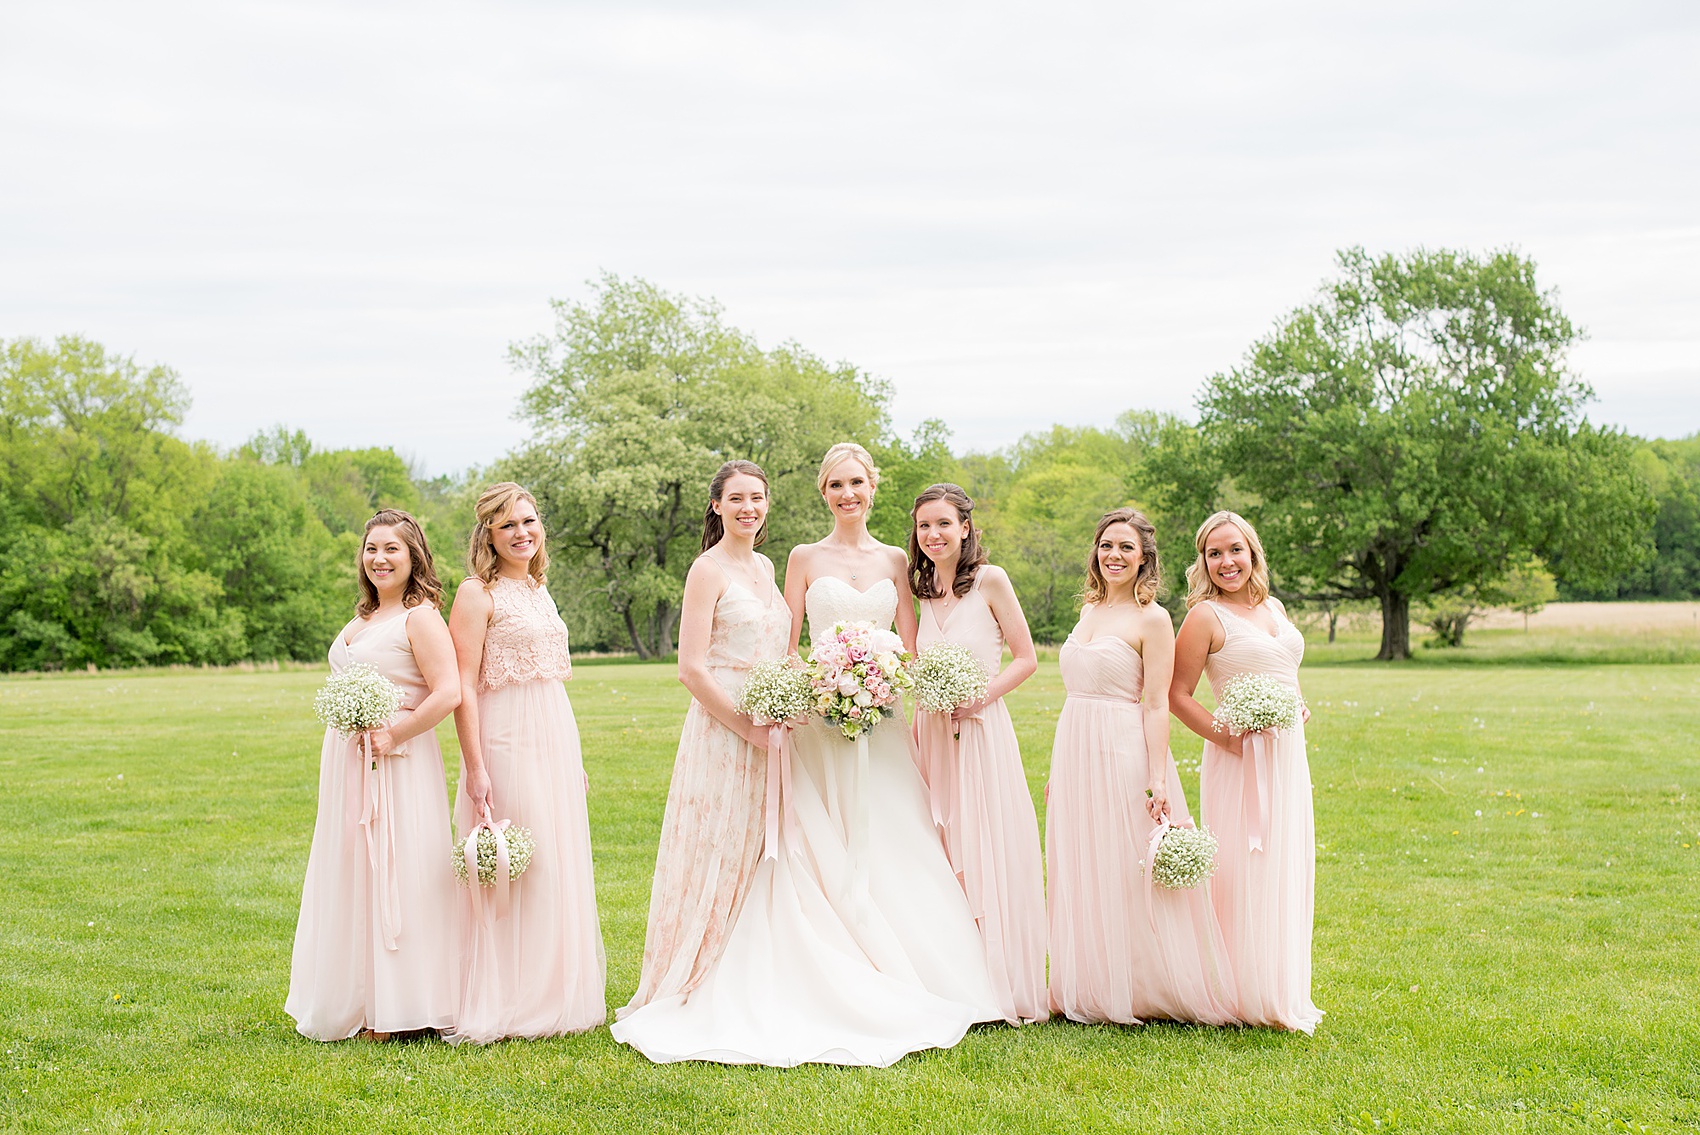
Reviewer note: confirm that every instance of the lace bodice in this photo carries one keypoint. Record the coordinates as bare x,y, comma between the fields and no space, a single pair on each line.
832,600
746,631
969,624
1249,649
526,640
1104,667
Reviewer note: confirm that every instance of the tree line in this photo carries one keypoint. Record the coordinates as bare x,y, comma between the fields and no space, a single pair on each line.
1413,437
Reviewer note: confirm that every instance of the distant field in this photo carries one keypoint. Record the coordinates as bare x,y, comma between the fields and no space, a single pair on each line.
1507,941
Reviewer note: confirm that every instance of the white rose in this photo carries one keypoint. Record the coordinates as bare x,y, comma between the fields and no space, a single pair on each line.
888,663
864,699
884,642
846,685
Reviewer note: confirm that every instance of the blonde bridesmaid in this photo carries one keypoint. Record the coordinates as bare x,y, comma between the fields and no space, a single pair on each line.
1255,789
1123,951
970,759
712,833
539,970
373,952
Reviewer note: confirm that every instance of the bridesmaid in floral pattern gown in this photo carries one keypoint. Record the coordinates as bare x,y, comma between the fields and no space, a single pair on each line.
374,953
539,971
970,759
1255,789
712,833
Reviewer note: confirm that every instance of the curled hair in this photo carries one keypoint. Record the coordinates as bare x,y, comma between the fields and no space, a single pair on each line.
423,586
922,576
1199,585
494,504
842,452
713,528
1147,580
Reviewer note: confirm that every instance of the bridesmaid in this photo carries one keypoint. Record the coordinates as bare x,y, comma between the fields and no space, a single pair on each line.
371,956
1123,951
970,759
1264,887
712,833
539,971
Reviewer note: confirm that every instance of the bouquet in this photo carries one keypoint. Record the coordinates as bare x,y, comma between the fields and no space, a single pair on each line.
1184,858
1252,702
357,699
948,676
520,847
858,672
776,692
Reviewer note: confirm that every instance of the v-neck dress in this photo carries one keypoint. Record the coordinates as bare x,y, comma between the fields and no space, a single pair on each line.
984,808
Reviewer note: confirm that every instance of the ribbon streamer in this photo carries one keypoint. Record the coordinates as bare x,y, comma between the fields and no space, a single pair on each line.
778,788
1259,750
1157,834
469,852
859,830
377,819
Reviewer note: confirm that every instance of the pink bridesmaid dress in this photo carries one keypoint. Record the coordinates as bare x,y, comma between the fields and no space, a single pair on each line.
375,947
713,829
981,803
1123,950
1259,807
539,971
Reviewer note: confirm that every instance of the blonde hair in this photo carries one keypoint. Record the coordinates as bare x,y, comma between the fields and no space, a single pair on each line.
493,505
1199,585
839,454
1147,581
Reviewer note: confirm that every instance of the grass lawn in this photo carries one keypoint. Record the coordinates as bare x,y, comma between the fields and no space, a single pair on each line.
1508,888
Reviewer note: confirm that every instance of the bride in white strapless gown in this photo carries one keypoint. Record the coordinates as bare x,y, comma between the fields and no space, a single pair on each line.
835,960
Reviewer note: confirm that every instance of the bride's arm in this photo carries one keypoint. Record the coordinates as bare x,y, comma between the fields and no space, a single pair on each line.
908,626
796,589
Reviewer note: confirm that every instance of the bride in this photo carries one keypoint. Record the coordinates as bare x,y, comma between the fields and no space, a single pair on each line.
854,944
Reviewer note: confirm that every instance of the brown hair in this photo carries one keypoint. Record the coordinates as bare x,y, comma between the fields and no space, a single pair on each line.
423,586
922,579
713,528
842,452
1147,580
493,504
1199,584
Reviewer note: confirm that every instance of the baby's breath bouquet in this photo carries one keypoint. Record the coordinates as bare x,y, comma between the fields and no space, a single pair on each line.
777,692
948,676
1252,702
357,699
520,847
1185,857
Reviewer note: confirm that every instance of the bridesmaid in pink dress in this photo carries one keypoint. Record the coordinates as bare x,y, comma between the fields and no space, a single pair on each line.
970,759
1255,789
1123,950
373,953
539,971
712,833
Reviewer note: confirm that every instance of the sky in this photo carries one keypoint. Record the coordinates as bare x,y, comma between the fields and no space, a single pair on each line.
338,216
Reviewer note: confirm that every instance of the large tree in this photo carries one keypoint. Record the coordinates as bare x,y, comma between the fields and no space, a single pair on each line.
637,397
1417,431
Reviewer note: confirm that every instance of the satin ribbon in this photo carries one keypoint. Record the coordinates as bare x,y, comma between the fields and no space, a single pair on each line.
859,830
1157,834
469,852
1255,775
778,787
377,819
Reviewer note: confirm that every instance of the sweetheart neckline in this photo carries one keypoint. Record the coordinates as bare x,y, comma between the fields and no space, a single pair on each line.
886,579
1107,638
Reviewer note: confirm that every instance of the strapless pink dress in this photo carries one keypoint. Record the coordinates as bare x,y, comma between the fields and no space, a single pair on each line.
1123,951
983,806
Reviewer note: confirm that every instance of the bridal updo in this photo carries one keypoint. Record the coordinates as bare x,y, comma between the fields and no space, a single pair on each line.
842,452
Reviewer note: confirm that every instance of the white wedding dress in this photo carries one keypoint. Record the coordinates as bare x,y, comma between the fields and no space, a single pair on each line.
855,944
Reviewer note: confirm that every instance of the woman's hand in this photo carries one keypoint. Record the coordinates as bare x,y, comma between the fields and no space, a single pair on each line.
968,709
756,735
1157,800
1233,744
380,741
477,789
1304,713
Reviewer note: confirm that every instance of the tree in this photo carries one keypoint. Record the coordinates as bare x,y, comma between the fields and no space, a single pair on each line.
1415,432
637,397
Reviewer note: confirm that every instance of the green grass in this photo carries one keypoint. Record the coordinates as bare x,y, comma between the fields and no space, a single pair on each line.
1532,969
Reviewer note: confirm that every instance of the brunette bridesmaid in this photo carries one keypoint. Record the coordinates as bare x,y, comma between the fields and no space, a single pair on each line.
712,834
539,970
970,758
1255,788
1122,949
373,953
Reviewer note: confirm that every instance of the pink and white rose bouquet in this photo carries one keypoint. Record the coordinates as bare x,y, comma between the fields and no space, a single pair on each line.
859,672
